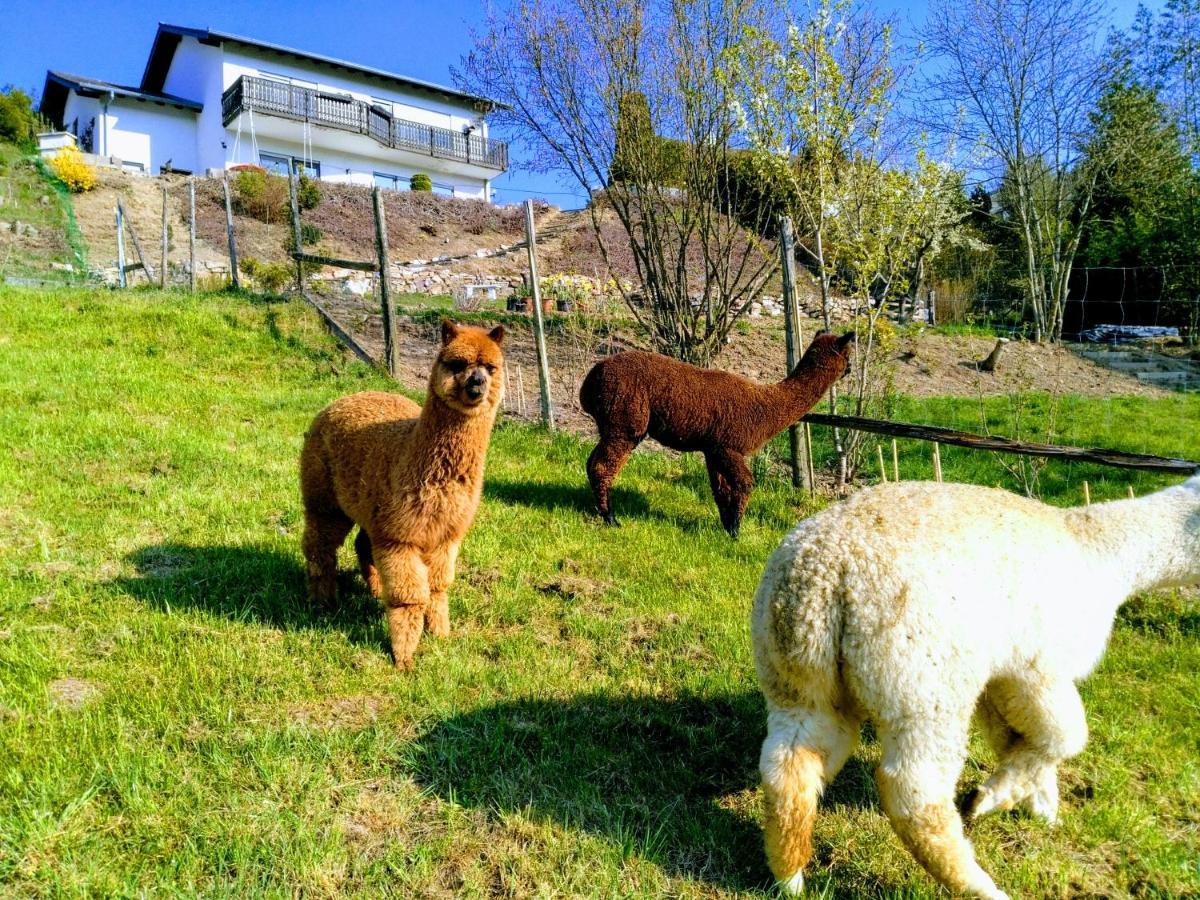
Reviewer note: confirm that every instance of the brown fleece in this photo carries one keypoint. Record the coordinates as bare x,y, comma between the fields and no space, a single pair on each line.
722,415
410,478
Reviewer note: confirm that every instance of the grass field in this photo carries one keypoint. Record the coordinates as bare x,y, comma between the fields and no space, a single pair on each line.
176,720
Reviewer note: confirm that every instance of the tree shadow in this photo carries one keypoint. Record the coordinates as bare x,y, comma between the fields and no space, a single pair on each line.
663,779
248,584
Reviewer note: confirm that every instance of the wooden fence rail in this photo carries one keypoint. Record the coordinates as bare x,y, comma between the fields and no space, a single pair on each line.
1115,458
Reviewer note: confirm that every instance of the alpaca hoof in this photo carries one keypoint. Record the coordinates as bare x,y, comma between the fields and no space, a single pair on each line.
402,665
793,886
610,519
734,531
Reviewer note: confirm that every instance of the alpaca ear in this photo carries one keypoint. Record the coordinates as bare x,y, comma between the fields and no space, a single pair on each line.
449,331
497,334
848,338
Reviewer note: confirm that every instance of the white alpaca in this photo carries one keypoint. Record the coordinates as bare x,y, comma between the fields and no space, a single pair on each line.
918,604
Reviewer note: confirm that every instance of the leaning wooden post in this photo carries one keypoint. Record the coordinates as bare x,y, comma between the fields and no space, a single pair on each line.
120,246
791,328
192,233
385,288
539,329
233,260
162,272
895,461
1087,494
297,231
137,248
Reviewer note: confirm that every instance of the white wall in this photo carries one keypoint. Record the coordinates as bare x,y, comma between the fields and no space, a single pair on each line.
195,74
412,105
136,131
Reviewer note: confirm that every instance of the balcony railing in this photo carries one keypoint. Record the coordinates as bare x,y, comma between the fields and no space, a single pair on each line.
275,98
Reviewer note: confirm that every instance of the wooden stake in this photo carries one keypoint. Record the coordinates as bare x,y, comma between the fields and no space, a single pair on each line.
1129,489
390,343
233,259
520,391
882,467
937,462
1087,494
297,231
162,272
895,462
192,233
794,341
121,246
137,248
808,455
539,328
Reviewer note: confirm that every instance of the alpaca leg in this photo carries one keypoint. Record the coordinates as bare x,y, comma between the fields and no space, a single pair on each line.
731,483
405,597
804,750
324,532
1047,724
603,465
441,574
916,786
366,563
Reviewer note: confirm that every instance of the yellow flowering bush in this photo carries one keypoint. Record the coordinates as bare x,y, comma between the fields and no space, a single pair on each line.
69,165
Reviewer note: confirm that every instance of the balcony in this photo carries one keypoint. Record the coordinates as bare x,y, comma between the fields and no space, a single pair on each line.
340,111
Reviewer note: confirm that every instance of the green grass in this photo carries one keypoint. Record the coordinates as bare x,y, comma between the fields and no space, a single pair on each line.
34,197
176,720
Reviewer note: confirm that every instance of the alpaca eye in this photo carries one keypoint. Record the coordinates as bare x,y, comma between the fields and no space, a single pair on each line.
491,370
456,365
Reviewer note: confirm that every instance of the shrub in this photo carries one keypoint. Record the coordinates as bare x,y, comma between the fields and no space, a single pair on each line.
261,196
309,235
18,122
270,277
308,196
68,164
422,182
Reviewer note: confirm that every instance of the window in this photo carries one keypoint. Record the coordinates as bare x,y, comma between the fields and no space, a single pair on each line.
390,182
384,106
279,165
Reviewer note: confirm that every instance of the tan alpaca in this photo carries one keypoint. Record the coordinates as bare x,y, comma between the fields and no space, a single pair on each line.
410,478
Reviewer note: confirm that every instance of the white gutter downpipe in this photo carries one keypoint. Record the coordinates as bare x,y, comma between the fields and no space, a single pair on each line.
108,98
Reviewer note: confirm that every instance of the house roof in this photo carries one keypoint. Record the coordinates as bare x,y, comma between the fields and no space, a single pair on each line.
54,94
169,36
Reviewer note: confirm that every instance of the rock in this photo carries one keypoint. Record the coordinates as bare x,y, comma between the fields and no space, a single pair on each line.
5,226
62,267
44,200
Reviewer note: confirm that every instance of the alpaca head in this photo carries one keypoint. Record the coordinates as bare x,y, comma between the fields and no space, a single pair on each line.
828,353
468,374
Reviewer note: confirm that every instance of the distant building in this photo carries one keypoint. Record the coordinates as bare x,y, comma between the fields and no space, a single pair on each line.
209,101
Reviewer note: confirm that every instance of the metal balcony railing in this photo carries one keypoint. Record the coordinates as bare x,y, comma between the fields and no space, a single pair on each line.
275,98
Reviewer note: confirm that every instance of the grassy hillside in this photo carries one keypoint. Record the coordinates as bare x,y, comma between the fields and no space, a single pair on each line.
39,223
175,719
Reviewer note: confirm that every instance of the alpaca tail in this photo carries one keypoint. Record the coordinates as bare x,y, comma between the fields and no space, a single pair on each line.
589,391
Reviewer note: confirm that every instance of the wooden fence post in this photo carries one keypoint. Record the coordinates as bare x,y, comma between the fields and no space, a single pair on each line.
233,260
539,329
162,272
192,233
120,246
385,289
791,323
297,231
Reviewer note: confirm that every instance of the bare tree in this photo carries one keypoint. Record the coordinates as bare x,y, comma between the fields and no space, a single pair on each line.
595,86
1018,79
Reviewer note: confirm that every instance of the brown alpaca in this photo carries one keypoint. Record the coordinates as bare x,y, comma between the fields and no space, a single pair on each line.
410,478
722,415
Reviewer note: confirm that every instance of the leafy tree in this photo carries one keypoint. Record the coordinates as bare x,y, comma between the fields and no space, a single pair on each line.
18,121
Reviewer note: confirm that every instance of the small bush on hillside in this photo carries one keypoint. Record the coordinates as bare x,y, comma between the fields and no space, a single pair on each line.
261,196
270,277
308,195
422,182
68,164
18,121
309,235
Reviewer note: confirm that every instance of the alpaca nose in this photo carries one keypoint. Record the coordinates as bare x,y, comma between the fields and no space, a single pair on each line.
476,383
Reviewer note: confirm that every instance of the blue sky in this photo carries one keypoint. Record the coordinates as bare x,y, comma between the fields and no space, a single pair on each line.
110,39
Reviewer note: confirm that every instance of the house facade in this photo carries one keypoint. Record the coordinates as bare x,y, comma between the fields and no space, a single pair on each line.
209,101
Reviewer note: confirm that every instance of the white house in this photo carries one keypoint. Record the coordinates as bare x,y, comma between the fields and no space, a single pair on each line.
208,101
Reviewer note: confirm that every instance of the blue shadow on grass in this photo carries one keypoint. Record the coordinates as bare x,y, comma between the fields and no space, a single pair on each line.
249,584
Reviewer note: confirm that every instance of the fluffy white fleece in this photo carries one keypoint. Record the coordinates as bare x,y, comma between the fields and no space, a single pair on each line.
918,604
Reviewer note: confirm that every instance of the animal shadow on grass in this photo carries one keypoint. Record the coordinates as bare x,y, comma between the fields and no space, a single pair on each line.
647,774
626,503
249,584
